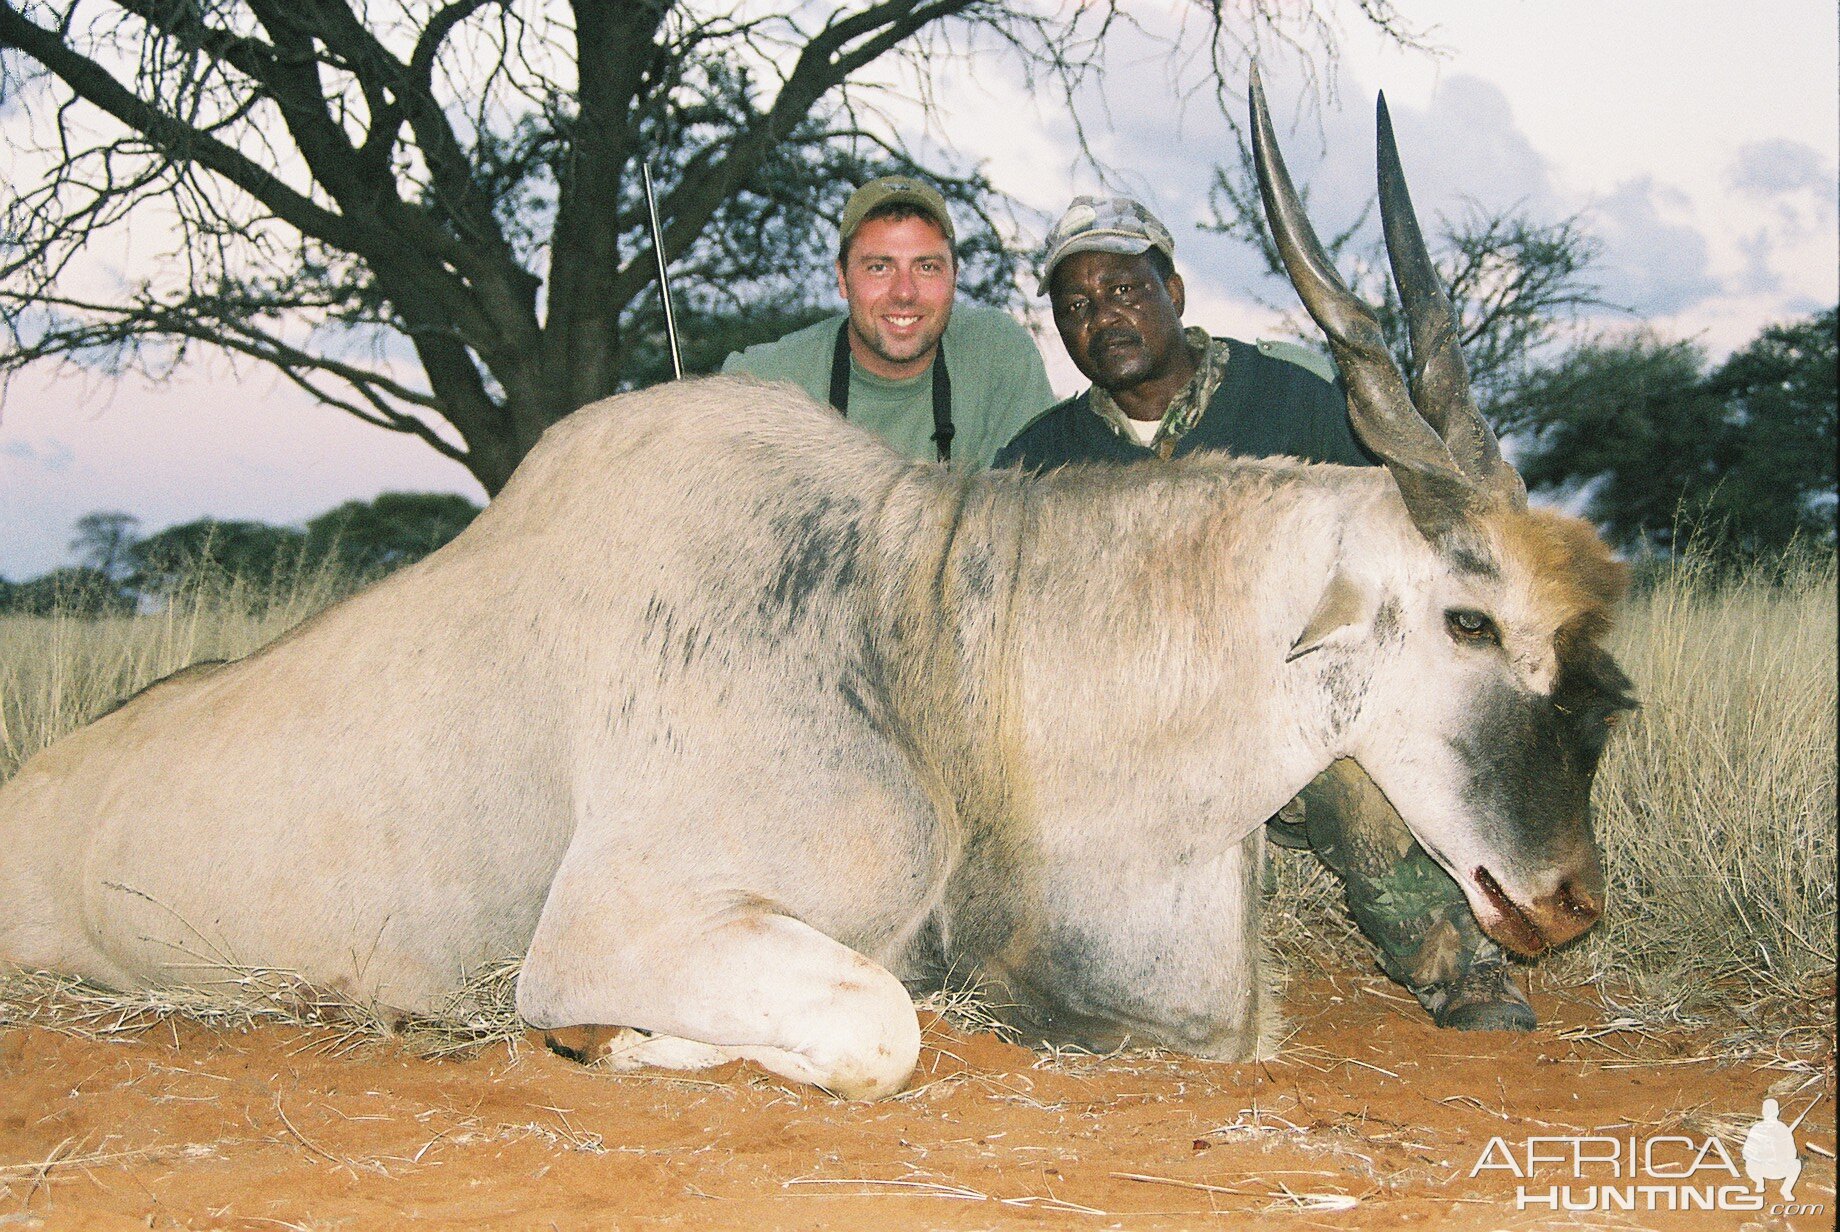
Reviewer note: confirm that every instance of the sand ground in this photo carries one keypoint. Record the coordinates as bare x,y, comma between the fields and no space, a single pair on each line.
1369,1118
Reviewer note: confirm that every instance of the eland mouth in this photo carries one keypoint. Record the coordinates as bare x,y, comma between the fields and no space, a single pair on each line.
1550,920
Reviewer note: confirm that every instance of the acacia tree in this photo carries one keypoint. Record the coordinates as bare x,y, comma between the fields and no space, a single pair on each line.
102,541
395,529
238,550
427,214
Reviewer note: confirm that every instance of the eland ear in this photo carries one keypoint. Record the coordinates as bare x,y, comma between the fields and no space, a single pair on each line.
1342,604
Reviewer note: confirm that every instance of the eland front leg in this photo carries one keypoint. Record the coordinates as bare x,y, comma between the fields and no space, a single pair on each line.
713,975
761,987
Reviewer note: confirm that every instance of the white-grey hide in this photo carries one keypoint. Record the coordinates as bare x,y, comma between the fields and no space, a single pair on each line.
728,719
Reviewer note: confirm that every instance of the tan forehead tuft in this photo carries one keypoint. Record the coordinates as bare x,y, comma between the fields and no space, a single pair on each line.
1576,581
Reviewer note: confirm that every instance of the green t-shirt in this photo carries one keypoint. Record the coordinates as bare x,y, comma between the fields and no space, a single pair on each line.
998,384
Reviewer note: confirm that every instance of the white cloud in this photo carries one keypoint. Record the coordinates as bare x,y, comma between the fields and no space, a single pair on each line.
1758,276
50,455
1792,201
1468,145
1769,168
1655,262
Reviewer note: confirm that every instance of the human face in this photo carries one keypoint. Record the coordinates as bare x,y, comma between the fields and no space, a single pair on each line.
898,282
1121,323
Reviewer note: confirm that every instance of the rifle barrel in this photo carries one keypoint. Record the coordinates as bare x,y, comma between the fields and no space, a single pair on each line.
664,277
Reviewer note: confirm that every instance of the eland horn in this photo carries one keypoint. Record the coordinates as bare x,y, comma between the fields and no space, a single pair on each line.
1439,381
1439,490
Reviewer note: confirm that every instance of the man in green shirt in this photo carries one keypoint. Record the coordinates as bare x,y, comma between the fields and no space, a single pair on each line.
933,382
1160,391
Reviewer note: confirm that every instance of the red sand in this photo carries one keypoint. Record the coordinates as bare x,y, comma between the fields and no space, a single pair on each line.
1368,1109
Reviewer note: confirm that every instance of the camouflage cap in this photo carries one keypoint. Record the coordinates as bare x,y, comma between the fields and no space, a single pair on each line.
1104,224
893,190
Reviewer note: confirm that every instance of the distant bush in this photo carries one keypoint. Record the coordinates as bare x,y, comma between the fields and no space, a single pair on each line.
359,540
394,530
252,553
74,591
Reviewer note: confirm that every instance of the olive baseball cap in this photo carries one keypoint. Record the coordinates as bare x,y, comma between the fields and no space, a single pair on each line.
1104,224
895,190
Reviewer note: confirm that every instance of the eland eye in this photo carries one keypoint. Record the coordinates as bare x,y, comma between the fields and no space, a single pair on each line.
1468,625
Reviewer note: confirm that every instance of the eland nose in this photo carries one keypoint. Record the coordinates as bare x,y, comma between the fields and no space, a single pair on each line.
1571,909
1585,902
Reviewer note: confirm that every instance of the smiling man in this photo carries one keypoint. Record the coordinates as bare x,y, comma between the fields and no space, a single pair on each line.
1160,391
931,381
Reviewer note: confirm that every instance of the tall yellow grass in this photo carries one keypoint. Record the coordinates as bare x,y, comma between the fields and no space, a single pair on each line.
1716,805
58,672
1716,808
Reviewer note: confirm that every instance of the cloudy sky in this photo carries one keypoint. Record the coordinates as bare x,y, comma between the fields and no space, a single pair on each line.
1701,154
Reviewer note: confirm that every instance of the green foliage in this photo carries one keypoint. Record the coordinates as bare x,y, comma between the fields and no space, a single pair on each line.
246,551
102,540
365,538
77,591
1742,457
356,540
1780,398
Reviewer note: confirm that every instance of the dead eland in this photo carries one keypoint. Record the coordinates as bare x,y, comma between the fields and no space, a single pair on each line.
729,721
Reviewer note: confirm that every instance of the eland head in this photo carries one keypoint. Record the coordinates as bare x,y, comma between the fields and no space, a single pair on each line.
1497,635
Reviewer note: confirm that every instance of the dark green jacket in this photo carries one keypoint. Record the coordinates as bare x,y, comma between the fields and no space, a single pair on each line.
1264,407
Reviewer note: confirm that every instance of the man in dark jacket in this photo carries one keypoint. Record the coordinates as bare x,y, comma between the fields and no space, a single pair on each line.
1160,391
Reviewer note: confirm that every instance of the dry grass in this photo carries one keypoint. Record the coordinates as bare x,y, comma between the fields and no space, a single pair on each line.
482,1013
970,1009
1716,809
59,672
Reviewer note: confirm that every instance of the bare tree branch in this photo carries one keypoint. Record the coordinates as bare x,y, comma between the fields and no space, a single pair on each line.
93,83
1516,284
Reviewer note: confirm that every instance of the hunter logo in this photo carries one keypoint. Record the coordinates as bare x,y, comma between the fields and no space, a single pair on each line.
1665,1172
1769,1151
